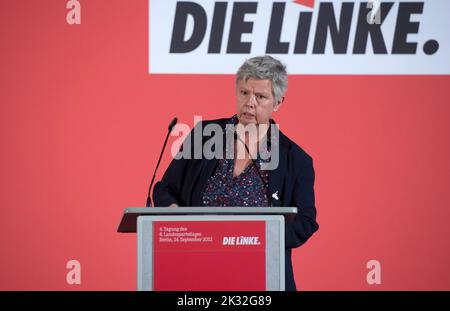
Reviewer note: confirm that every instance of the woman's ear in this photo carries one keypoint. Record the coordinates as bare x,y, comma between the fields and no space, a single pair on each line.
277,106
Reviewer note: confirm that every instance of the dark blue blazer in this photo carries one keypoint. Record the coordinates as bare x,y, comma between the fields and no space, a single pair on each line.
185,179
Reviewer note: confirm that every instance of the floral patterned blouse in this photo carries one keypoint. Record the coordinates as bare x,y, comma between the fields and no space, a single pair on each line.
246,189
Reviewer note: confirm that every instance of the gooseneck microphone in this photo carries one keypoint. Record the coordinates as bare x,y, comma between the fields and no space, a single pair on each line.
236,136
149,196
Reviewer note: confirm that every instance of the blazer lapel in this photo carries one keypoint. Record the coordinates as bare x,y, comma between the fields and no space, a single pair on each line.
277,176
207,169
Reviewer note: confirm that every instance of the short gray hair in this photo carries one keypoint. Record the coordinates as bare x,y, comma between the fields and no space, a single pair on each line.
265,67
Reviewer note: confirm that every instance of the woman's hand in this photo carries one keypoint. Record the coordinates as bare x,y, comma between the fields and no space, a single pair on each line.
173,205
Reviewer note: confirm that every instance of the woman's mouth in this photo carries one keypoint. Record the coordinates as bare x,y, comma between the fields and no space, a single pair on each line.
248,115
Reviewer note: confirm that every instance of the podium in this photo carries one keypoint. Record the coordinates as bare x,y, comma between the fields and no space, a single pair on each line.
209,248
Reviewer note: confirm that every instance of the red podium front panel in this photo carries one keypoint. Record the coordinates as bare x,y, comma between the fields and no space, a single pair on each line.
209,255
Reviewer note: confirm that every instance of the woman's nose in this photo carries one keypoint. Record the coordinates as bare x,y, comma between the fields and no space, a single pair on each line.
251,101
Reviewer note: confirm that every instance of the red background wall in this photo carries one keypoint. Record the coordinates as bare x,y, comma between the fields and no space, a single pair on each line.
82,123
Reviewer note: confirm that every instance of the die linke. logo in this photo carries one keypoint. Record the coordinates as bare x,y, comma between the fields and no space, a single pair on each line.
380,37
326,20
241,240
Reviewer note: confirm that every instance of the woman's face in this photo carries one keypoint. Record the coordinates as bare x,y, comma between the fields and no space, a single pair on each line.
255,101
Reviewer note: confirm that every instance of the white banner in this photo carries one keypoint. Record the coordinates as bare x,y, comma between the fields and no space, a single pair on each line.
310,37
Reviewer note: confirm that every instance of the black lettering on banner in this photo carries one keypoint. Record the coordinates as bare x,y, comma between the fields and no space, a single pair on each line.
329,27
183,10
404,27
239,26
303,28
215,39
326,20
364,30
274,45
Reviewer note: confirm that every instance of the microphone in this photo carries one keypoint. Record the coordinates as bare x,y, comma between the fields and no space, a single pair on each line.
170,128
236,136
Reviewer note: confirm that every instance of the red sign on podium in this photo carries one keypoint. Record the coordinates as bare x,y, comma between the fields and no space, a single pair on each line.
209,255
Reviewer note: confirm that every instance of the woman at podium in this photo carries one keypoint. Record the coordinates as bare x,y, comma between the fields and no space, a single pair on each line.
254,165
